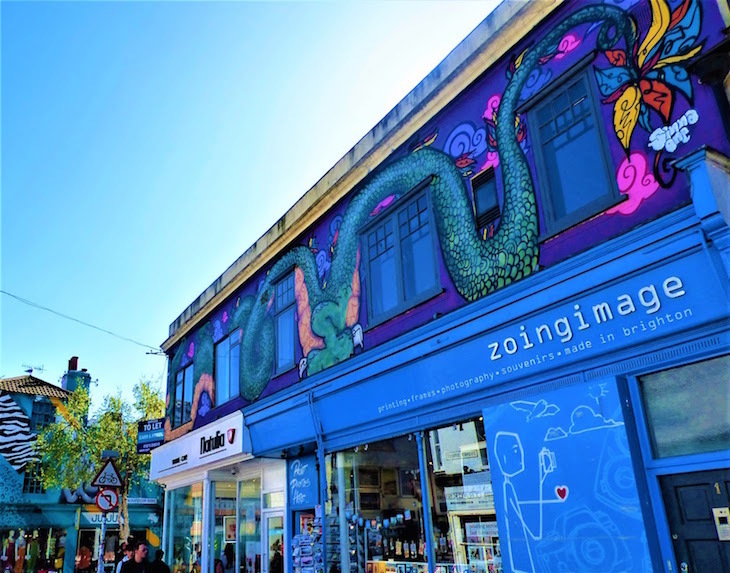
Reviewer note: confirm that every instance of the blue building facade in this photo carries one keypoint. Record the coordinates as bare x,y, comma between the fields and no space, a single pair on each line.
494,337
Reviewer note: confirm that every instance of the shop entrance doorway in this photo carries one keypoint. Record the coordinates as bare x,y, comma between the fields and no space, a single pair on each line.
273,561
689,499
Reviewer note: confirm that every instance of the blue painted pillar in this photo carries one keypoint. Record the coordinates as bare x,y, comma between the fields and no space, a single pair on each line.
321,460
426,494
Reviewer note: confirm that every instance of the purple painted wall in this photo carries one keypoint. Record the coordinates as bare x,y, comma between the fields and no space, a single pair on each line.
652,112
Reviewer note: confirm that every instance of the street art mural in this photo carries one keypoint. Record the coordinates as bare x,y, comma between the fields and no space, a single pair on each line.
16,437
649,105
563,483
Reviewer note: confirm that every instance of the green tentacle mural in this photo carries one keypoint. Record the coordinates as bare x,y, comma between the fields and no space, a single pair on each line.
476,266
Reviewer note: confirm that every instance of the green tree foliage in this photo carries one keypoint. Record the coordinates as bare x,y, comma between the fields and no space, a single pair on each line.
70,449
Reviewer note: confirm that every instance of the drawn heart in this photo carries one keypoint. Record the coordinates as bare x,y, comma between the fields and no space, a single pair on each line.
561,491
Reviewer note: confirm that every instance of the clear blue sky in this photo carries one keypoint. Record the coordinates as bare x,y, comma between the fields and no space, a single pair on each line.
145,146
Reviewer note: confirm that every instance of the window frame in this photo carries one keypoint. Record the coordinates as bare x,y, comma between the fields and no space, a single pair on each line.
229,339
482,178
183,371
278,312
555,225
392,213
43,414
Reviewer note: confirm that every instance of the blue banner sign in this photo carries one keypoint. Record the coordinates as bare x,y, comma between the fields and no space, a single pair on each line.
588,326
303,483
150,434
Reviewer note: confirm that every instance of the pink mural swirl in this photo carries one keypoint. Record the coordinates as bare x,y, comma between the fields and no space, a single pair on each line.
490,116
567,44
635,181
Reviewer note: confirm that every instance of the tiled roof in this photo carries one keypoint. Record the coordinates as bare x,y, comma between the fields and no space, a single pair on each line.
31,385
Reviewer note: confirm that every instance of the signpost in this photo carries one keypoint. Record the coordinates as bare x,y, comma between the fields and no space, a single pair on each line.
107,499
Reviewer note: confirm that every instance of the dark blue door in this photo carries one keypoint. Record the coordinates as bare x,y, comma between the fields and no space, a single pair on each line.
689,499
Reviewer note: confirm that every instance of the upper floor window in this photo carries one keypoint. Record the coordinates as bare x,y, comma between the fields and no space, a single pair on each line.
400,259
486,203
42,416
227,360
571,153
284,320
183,396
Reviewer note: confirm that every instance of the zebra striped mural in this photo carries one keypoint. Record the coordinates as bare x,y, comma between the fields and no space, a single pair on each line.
16,438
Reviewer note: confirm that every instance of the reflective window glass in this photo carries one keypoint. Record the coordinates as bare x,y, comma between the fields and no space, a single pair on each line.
463,515
284,311
374,514
249,525
223,526
688,408
400,259
227,354
186,528
578,180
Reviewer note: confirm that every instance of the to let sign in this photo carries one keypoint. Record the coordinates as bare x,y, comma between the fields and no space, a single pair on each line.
150,434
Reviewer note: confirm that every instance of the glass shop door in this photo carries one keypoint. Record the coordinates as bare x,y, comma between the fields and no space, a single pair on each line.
273,534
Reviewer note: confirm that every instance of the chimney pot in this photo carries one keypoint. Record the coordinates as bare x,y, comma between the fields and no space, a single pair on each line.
73,364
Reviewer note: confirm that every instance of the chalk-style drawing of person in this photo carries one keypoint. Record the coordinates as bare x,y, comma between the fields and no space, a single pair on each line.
510,457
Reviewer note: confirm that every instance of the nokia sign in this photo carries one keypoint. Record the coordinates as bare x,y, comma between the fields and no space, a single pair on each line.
214,442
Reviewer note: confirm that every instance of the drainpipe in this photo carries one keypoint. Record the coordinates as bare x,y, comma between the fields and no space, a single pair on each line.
341,500
205,535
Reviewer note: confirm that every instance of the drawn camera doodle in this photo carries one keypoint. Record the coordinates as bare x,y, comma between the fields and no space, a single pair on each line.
547,461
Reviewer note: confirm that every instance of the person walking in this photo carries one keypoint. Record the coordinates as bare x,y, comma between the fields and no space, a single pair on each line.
126,555
158,565
138,563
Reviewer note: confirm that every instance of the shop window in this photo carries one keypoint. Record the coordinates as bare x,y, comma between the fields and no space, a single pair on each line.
374,517
687,408
400,259
227,357
486,203
186,528
249,525
274,499
44,548
284,318
571,153
183,396
223,526
463,513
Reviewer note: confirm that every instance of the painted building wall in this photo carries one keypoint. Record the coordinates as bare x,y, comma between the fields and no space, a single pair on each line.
653,111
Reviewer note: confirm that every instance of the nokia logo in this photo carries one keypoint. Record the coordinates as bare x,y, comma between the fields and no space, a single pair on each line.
216,441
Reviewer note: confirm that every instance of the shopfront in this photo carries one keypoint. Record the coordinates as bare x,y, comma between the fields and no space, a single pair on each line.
576,435
219,499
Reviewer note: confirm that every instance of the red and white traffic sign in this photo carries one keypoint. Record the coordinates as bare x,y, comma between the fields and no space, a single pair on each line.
107,500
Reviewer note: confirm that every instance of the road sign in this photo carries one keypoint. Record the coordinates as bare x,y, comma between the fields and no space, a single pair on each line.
108,476
107,500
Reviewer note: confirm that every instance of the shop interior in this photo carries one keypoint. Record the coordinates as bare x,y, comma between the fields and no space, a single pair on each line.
374,517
